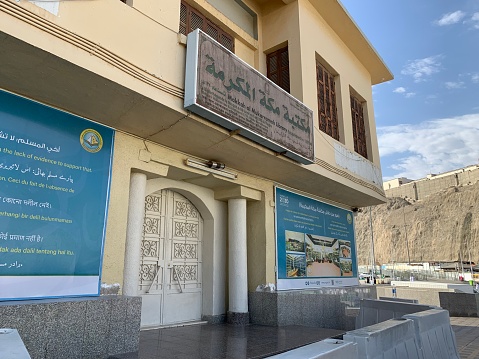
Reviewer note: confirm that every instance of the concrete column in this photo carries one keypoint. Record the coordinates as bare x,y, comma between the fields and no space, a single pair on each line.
237,259
134,231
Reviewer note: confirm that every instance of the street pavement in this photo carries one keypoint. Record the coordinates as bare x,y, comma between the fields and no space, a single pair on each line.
467,336
226,341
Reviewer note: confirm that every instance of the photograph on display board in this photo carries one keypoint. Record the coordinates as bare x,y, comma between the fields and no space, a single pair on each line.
346,265
345,249
294,241
322,256
295,265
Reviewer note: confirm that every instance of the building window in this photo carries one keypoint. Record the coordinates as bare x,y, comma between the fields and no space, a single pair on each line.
327,112
359,129
278,68
191,19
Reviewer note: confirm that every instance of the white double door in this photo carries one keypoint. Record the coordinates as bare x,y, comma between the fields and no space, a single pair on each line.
171,260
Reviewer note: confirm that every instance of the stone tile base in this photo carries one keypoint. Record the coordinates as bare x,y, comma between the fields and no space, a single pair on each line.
214,319
88,327
237,318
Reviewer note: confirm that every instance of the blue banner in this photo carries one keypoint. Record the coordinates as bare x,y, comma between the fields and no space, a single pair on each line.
315,243
55,173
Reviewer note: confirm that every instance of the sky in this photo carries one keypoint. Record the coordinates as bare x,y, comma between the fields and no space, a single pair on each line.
427,118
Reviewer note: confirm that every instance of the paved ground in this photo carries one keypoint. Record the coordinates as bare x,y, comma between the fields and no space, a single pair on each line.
224,341
467,336
254,341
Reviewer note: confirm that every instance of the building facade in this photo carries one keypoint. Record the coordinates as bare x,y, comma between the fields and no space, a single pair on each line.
190,224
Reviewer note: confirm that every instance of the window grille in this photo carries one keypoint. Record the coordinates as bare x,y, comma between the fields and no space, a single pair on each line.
191,19
278,68
327,112
359,130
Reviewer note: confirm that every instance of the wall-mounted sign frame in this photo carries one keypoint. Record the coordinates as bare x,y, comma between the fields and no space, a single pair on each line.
315,243
222,88
55,171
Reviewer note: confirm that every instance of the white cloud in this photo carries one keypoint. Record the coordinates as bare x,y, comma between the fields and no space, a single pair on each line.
402,90
421,68
454,85
475,78
475,19
450,18
430,147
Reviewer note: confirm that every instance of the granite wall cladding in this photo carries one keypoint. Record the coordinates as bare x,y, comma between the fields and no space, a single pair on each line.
460,304
321,308
83,328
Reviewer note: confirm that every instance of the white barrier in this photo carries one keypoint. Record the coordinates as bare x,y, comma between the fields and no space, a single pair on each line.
423,335
436,338
392,339
11,345
325,349
373,311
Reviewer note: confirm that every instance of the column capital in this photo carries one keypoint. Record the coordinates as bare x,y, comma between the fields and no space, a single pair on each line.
234,192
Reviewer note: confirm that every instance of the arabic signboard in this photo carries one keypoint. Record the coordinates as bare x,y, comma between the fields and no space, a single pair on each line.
315,243
54,183
222,88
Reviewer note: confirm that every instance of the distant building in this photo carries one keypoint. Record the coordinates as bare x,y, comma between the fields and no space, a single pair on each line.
396,182
432,183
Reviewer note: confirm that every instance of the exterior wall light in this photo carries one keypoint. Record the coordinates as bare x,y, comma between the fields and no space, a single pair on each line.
214,167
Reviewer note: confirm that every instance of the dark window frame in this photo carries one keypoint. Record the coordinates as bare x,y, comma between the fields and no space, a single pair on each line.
187,13
327,110
277,68
359,126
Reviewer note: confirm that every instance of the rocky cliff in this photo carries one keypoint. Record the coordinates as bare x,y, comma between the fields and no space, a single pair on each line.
441,227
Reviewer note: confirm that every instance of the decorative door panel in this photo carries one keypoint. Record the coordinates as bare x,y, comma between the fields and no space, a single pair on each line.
171,267
152,266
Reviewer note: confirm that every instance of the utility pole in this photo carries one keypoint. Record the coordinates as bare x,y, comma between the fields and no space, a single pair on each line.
372,242
395,239
460,243
470,261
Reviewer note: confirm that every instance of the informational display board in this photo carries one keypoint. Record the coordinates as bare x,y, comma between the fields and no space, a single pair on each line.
315,243
222,88
55,173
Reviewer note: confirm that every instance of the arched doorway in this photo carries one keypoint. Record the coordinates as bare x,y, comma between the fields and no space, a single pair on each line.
171,260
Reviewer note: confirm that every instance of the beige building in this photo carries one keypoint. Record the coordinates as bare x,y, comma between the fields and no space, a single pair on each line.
189,238
395,182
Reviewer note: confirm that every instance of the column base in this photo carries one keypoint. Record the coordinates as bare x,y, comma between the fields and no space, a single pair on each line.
237,318
214,319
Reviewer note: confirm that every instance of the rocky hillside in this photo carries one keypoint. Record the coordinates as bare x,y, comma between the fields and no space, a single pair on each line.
441,227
